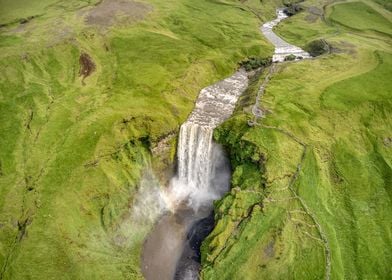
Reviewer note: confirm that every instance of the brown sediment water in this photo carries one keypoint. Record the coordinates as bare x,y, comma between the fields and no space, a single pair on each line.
163,247
171,250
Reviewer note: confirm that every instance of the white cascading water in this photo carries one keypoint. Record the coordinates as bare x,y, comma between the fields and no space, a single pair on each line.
214,105
202,173
282,48
203,176
197,155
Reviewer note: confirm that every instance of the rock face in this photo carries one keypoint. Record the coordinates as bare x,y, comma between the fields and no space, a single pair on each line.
282,48
216,103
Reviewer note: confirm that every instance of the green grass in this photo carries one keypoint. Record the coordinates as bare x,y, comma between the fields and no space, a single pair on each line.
358,15
385,3
15,10
72,155
368,88
337,106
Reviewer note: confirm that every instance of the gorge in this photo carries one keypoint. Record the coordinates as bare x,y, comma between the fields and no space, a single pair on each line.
203,174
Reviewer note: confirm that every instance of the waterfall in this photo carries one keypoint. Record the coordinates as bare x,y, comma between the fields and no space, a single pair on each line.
172,248
199,158
194,156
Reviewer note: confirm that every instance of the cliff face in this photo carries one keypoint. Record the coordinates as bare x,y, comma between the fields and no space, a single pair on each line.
311,180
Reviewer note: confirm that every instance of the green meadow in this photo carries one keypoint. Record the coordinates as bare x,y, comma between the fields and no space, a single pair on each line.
311,196
311,185
73,149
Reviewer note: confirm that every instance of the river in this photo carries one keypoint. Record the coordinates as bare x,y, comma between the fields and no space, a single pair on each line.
171,250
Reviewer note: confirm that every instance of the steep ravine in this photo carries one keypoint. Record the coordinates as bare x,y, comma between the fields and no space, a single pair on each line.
172,248
203,176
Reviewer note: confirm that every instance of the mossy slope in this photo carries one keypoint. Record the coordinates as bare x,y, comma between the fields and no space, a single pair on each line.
320,205
72,150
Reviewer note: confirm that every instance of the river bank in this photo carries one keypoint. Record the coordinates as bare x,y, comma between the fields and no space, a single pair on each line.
319,152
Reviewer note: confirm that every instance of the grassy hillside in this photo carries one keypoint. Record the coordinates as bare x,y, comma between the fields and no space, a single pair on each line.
360,16
88,91
311,195
84,102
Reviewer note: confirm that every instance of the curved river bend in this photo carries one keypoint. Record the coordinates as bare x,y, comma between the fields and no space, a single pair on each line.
282,48
171,251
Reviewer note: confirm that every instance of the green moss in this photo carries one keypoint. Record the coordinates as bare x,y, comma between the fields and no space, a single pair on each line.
325,162
72,154
359,16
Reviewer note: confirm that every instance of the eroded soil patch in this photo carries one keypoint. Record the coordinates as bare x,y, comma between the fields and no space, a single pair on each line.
87,66
343,47
314,13
109,12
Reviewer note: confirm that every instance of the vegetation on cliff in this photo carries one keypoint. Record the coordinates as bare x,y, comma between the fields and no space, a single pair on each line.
311,195
75,139
91,95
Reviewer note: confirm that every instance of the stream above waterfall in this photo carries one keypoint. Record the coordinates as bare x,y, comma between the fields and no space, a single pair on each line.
282,48
172,249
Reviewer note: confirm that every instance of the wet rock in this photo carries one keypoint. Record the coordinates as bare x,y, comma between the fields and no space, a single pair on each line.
292,9
388,141
189,264
164,145
290,57
253,63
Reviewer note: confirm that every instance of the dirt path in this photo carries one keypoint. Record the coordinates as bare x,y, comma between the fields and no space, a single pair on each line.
256,110
313,217
283,49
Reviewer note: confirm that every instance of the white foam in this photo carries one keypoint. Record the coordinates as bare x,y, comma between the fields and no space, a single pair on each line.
198,181
282,48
